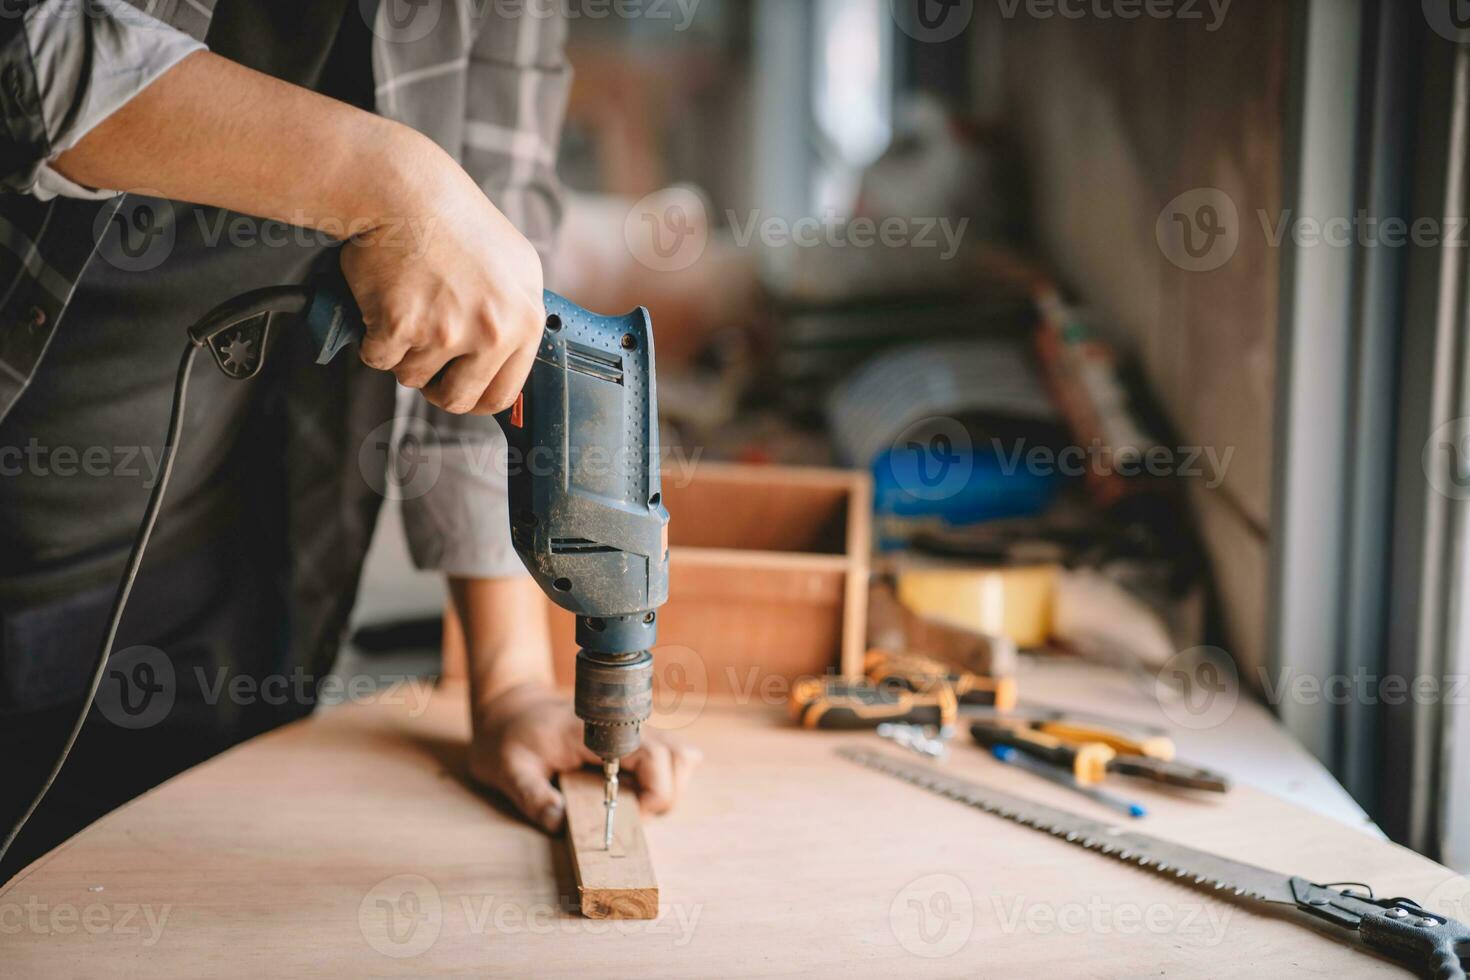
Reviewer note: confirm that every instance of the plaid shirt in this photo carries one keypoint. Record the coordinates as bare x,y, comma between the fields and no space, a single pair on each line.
486,79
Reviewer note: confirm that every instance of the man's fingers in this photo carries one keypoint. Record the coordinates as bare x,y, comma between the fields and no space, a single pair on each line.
382,350
653,766
419,366
509,381
528,785
463,382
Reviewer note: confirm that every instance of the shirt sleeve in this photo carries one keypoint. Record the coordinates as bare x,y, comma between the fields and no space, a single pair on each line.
64,68
517,83
457,516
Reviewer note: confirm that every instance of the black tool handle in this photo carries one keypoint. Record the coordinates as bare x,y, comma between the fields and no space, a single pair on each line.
835,704
1169,773
1088,762
1432,945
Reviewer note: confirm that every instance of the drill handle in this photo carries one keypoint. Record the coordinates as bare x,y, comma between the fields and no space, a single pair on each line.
586,501
334,321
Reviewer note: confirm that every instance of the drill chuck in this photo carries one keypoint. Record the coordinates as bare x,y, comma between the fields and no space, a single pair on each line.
614,684
614,696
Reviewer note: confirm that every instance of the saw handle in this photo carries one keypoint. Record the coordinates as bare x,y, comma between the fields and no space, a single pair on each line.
1433,951
1431,944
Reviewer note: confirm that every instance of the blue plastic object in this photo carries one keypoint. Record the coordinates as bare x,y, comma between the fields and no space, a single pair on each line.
958,487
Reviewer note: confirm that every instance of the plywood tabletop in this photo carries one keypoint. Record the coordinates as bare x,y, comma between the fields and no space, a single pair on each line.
351,844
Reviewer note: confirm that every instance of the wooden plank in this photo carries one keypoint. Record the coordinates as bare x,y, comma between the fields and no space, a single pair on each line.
354,844
616,883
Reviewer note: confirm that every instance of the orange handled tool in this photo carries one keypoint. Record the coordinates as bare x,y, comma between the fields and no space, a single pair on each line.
917,672
827,702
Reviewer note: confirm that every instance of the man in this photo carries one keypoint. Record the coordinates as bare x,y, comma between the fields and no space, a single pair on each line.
422,136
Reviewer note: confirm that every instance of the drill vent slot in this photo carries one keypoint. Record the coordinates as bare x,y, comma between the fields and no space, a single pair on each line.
579,546
594,362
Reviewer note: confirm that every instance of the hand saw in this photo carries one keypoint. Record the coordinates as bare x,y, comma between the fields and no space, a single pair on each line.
1432,945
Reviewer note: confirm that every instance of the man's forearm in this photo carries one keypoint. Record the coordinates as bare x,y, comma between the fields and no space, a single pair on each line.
506,634
212,132
450,291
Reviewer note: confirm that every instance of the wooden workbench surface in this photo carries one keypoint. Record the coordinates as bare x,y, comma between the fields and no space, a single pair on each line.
351,845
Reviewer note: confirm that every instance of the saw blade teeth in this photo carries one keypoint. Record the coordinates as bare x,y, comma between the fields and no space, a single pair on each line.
1110,840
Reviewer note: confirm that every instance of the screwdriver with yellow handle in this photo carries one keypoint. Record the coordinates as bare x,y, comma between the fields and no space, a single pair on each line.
1089,759
1159,747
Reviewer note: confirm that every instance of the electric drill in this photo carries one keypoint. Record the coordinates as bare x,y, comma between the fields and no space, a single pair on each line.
586,506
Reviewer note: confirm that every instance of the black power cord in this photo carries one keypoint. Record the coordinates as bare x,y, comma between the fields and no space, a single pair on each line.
231,313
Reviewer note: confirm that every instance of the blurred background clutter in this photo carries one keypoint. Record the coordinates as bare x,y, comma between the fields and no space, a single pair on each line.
991,316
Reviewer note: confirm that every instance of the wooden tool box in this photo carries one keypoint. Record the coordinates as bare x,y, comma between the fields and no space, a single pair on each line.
768,576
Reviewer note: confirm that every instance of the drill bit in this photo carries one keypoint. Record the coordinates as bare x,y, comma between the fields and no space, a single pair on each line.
610,799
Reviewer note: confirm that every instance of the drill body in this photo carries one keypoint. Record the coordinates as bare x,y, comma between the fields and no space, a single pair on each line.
586,507
586,504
